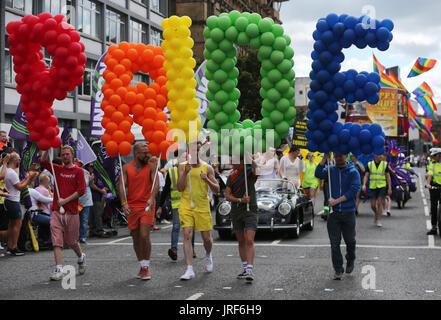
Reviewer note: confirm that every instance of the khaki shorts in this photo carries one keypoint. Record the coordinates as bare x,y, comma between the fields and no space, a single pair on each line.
244,221
65,229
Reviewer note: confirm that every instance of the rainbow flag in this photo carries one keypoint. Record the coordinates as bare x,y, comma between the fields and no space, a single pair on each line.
398,82
427,104
421,65
378,67
427,123
394,152
386,81
80,207
423,90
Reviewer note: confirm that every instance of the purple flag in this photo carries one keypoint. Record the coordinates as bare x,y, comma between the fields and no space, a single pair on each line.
106,168
67,139
96,114
18,129
84,151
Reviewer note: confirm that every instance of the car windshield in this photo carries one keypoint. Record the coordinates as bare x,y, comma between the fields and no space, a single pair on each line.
274,185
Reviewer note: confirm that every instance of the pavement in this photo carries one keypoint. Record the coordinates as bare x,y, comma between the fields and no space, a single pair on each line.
397,261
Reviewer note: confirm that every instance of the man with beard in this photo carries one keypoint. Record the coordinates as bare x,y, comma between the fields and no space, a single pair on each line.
138,178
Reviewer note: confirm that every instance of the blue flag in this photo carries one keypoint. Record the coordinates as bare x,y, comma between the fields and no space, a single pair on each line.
67,138
84,152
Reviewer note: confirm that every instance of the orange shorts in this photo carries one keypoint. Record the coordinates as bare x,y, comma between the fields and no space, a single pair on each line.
139,216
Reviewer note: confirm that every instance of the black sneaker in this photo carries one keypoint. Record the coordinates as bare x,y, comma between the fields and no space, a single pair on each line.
338,276
242,275
388,214
432,232
249,277
173,254
350,266
15,252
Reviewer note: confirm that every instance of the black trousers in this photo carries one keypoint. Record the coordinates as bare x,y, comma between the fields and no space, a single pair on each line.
434,202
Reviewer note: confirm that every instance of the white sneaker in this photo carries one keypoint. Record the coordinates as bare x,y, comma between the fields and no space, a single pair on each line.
384,213
57,275
209,263
379,224
82,265
165,221
189,274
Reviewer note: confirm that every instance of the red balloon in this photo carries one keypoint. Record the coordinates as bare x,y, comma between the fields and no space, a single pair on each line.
56,142
44,144
50,133
52,121
63,39
34,136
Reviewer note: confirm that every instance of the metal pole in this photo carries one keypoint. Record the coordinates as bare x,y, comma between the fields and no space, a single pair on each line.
62,211
147,208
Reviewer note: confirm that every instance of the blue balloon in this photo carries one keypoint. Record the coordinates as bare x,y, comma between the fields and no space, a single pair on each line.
337,127
355,130
374,77
311,125
340,57
308,134
339,79
379,151
345,43
344,149
360,95
360,31
360,43
371,39
349,35
382,34
366,149
319,115
343,17
319,46
329,107
317,35
317,66
333,116
361,80
339,93
309,114
391,36
322,25
312,146
326,125
311,95
373,99
312,75
318,136
357,152
315,55
353,143
312,105
347,125
375,129
329,87
325,57
388,24
333,67
324,147
334,47
328,37
344,136
351,74
332,19
321,97
365,126
338,29
333,140
350,98
349,86
383,46
315,85
323,76
370,89
350,22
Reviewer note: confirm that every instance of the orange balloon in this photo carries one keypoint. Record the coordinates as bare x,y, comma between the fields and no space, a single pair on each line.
142,87
124,46
118,136
130,97
155,86
115,100
162,72
150,103
111,127
125,109
161,101
148,135
116,83
150,113
163,91
109,110
112,148
153,74
150,93
147,55
161,80
153,148
163,147
158,136
124,126
158,61
132,54
158,51
138,110
126,79
130,137
117,117
111,63
112,48
105,121
126,63
140,47
121,91
108,93
119,69
148,123
125,148
118,54
160,125
145,68
106,138
140,98
132,88
161,116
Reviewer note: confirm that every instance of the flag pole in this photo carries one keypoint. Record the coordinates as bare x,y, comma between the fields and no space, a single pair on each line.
329,182
246,182
189,177
147,208
62,211
122,176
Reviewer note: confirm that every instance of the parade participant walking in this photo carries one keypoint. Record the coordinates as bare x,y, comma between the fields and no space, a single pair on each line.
171,189
310,182
361,170
291,166
65,227
379,174
86,204
434,180
345,183
244,220
14,186
194,210
138,177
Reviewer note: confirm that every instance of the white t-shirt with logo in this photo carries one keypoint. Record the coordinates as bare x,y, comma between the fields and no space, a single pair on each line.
11,179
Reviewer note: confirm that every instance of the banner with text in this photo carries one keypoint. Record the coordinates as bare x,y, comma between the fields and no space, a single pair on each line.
385,112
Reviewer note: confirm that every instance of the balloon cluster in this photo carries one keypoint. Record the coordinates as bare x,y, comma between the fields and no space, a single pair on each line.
275,54
328,85
40,86
179,64
144,102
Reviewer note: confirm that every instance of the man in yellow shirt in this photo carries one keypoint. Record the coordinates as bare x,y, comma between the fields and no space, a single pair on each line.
434,180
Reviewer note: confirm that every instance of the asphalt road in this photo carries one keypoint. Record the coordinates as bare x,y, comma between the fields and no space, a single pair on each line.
397,261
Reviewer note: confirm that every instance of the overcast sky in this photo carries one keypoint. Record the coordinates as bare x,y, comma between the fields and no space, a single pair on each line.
417,33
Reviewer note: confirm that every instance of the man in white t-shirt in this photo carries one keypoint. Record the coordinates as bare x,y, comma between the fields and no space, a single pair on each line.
291,166
11,162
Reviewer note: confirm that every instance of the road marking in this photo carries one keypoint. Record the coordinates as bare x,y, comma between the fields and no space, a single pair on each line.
430,291
426,211
118,240
178,286
329,290
424,202
320,213
378,290
229,255
132,285
275,242
166,227
278,289
428,224
263,256
375,258
411,258
226,288
302,257
195,296
431,241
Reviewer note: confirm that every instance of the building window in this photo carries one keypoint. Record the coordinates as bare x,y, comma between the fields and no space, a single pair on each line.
58,7
86,87
89,18
23,5
9,70
144,2
114,27
139,77
137,32
155,37
154,5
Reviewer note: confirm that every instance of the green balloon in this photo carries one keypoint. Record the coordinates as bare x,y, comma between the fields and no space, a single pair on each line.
265,51
241,24
212,22
279,44
212,124
288,39
289,75
246,14
255,43
265,25
237,125
221,118
235,94
254,18
234,15
268,105
228,85
283,105
210,44
217,34
215,107
242,39
227,126
220,76
276,116
277,29
284,66
273,95
289,94
231,34
209,95
274,75
258,123
290,114
227,65
225,45
212,66
263,93
224,22
214,86
264,114
210,115
218,56
229,107
282,128
276,57
252,30
233,74
209,75
291,101
234,117
247,123
263,73
207,54
232,53
267,38
207,32
267,65
288,52
266,84
221,97
282,85
267,124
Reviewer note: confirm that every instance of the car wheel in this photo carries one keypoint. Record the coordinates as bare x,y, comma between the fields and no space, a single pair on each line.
28,246
224,234
296,232
310,225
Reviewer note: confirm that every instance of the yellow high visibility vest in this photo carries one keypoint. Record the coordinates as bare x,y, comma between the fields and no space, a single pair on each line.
435,172
175,195
377,177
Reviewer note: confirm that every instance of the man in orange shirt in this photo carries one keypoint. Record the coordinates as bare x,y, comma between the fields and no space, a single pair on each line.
138,178
3,139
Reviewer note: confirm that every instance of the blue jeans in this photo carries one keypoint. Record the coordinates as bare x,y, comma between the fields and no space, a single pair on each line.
175,230
341,224
84,222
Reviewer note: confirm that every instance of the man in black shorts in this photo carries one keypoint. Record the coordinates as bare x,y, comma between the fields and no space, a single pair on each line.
379,185
244,220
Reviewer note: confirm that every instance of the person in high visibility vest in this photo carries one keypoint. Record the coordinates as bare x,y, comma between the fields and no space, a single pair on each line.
171,189
310,182
434,180
361,170
379,185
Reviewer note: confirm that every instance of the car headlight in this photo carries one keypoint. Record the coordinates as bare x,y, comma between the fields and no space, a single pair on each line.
284,208
224,208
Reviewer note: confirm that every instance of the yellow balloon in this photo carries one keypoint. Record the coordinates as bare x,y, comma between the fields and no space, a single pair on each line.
194,103
188,42
176,43
165,24
170,55
174,21
192,83
171,105
167,65
186,53
179,84
175,116
182,105
172,75
187,93
192,63
173,94
187,73
165,45
183,125
186,21
183,31
191,115
178,63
